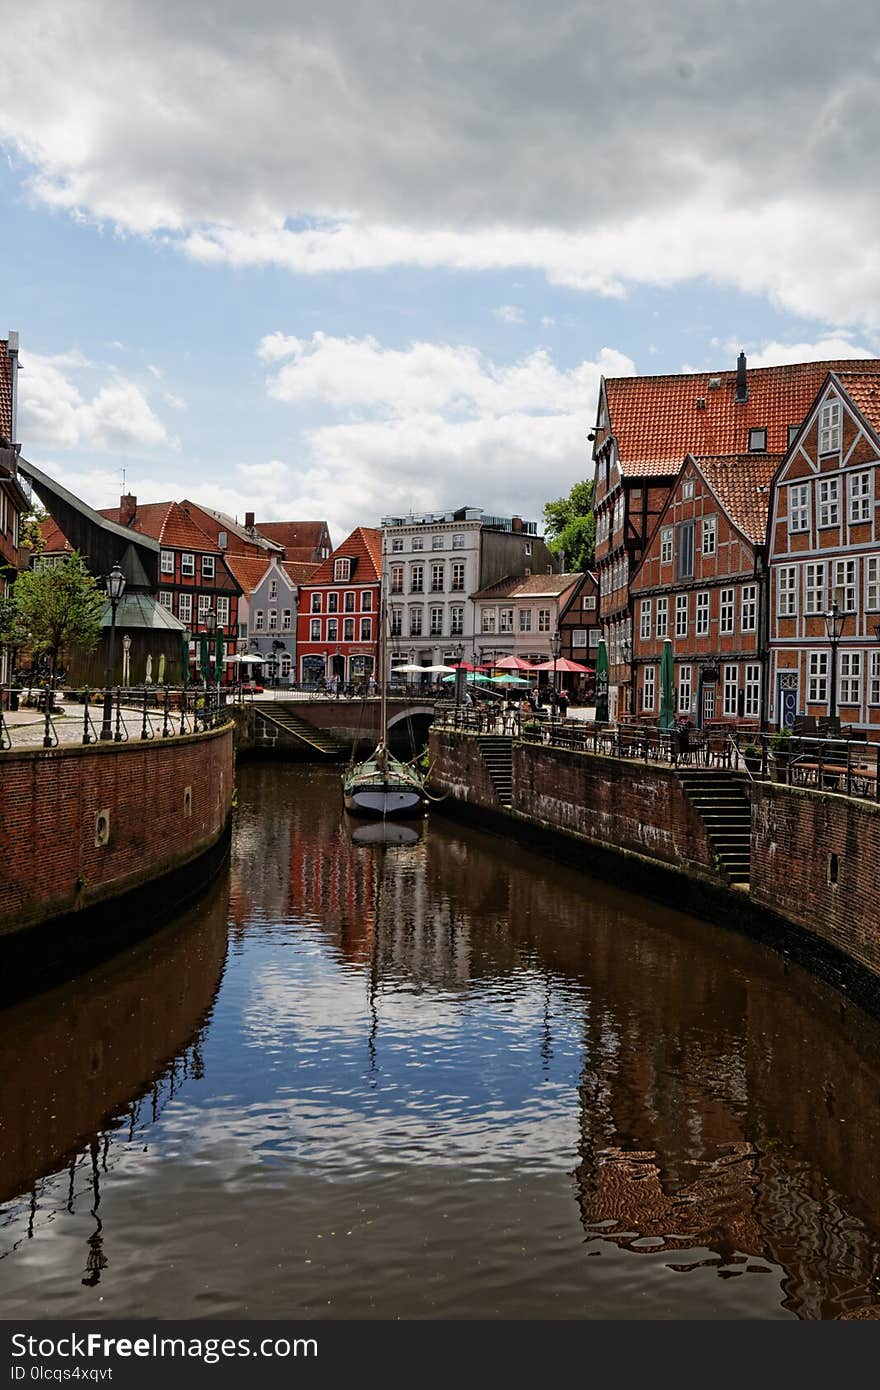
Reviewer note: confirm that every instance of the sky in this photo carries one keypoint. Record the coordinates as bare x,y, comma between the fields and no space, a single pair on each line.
347,260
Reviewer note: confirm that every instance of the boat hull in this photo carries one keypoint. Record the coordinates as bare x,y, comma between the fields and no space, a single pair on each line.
384,801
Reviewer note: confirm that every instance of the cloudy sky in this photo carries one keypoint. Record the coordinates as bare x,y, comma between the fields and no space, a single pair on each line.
339,260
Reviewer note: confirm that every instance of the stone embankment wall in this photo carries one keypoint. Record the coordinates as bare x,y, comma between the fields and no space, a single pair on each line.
81,825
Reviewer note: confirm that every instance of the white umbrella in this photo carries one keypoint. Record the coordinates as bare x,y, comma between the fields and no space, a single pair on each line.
408,667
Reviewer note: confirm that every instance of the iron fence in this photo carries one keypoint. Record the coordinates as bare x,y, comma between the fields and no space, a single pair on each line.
93,716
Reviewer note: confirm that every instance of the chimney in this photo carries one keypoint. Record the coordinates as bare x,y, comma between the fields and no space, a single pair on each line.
742,389
516,523
128,506
249,521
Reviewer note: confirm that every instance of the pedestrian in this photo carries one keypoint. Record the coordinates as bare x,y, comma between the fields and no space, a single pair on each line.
562,704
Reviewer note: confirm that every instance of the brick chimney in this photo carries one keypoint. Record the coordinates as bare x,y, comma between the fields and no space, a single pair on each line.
128,506
516,523
249,521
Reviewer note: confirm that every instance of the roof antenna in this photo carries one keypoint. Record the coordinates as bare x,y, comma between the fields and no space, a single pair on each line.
123,480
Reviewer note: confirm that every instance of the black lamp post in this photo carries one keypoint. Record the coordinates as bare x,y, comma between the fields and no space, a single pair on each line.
210,625
115,588
556,648
834,621
459,683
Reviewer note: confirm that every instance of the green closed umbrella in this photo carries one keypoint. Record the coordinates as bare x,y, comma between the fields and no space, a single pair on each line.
204,657
218,666
602,683
184,657
161,676
667,686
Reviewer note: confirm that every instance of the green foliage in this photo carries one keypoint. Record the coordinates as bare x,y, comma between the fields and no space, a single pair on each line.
29,532
570,525
781,742
59,609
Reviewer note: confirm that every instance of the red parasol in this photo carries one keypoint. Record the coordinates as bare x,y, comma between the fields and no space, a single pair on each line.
563,664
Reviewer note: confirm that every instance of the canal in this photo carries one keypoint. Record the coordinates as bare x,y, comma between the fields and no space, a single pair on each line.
440,1079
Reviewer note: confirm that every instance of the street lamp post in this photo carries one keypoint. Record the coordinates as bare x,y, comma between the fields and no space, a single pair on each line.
834,621
459,653
556,648
210,626
115,588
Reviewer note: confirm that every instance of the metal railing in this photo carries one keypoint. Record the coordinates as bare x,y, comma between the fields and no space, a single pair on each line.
850,767
86,716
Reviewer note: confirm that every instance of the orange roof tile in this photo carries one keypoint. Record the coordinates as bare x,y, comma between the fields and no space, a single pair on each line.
239,541
5,392
363,545
301,539
169,523
536,585
248,569
54,539
297,571
863,390
741,482
656,419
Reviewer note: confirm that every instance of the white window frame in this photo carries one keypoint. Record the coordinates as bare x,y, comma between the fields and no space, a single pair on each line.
341,571
649,688
874,679
366,629
286,619
166,562
814,594
525,620
314,628
787,591
861,497
315,606
749,608
687,490
666,545
185,607
817,678
710,535
456,622
846,583
850,678
208,567
752,691
829,502
645,619
703,614
505,620
730,689
872,583
579,637
222,610
435,621
415,621
662,629
798,507
829,427
685,688
727,612
272,625
417,579
188,564
682,615
543,619
166,598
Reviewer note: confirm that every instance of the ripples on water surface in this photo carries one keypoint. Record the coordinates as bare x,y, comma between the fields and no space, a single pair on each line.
441,1079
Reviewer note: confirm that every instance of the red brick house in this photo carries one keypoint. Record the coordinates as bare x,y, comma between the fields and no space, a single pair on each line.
824,547
701,583
337,624
579,629
645,426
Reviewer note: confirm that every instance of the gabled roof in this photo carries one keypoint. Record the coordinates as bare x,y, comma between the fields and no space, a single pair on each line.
170,524
531,586
863,389
5,392
297,571
248,570
364,545
656,419
741,482
240,540
54,539
301,539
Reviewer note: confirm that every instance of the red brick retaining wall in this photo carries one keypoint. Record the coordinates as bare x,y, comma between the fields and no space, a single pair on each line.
78,825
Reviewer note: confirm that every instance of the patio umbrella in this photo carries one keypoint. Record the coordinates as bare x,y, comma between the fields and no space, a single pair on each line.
602,683
509,680
563,664
667,686
514,663
473,678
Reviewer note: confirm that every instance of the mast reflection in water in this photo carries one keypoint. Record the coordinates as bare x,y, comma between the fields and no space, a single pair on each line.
440,1078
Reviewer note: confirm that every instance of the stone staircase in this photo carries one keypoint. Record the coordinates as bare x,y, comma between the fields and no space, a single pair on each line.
293,730
497,754
721,801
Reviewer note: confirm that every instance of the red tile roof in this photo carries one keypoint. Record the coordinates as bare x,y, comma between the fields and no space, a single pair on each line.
239,540
741,482
656,419
534,585
364,545
5,392
301,539
863,389
54,539
297,571
248,569
169,523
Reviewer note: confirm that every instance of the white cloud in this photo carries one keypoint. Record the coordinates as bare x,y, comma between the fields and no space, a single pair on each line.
732,151
834,346
548,321
509,313
55,412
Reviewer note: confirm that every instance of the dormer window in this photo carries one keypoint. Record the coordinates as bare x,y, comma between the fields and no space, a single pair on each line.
341,571
758,441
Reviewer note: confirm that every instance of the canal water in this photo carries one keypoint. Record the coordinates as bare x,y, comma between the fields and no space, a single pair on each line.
440,1079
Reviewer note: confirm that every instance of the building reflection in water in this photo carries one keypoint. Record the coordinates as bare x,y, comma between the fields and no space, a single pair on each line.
88,1068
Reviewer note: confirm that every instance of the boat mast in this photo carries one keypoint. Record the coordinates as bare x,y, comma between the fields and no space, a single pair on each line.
383,679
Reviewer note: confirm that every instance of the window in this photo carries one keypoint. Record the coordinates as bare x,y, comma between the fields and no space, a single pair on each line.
458,577
648,687
505,620
829,428
166,563
579,637
366,629
285,618
341,571
685,685
845,583
726,623
792,434
786,591
687,490
757,441
829,501
731,685
528,547
456,625
222,612
397,579
166,598
273,620
488,620
872,583
285,666
681,615
315,603
367,601
851,678
437,583
204,607
396,544
749,609
645,618
396,622
860,497
258,622
686,550
817,684
418,543
332,629
666,546
417,579
188,564
874,681
588,603
349,602
814,588
662,617
752,705
348,629
458,541
332,603
525,620
436,622
799,507
314,627
543,619
702,624
437,542
273,588
710,534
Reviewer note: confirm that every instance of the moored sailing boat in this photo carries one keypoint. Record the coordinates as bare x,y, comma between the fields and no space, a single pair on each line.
382,785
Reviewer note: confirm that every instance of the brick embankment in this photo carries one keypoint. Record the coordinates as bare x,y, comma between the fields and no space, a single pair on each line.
82,826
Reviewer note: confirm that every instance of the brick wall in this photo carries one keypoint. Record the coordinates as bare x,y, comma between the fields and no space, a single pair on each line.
165,802
795,833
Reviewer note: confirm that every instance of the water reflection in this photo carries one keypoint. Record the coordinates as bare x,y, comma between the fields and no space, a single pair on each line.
444,1078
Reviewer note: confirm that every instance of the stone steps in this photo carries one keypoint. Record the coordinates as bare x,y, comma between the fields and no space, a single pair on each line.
302,733
720,801
497,755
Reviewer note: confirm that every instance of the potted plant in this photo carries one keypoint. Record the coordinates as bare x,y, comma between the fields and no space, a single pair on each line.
752,757
780,750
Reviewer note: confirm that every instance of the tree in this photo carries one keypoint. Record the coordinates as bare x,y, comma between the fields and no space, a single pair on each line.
570,525
59,608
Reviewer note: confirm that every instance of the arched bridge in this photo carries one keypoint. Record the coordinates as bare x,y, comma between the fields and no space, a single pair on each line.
329,728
